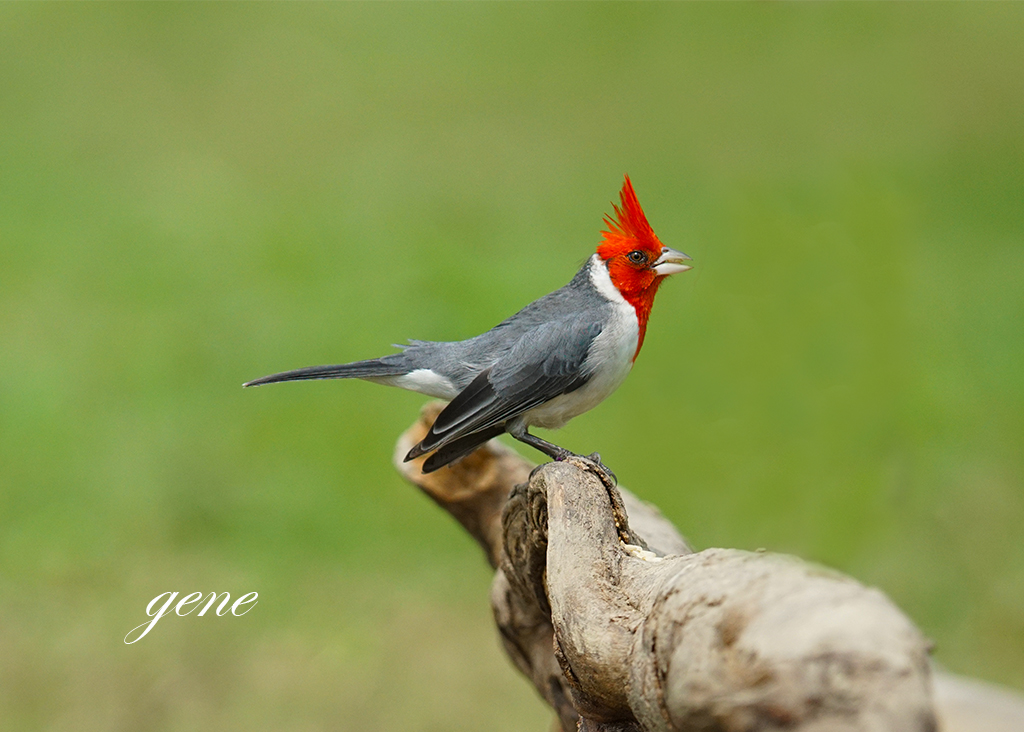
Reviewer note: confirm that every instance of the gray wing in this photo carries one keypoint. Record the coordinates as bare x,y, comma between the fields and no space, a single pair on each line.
545,362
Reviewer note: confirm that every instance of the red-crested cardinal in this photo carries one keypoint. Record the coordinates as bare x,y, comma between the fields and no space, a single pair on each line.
553,360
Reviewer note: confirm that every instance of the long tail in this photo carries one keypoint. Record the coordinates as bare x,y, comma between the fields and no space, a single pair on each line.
355,370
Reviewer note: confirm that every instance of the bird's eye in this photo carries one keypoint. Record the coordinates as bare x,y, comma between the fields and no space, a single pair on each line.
637,257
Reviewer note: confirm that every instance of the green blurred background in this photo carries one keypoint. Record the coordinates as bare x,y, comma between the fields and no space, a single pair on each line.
192,196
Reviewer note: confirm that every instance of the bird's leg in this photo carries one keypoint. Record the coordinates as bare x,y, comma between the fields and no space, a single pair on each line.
560,454
550,449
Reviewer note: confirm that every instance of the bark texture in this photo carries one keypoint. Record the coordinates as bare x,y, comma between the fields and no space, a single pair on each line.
621,626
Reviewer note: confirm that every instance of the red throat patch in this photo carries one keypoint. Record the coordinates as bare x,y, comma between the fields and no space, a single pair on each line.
628,246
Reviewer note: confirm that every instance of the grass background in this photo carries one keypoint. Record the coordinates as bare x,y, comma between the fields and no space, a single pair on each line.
195,195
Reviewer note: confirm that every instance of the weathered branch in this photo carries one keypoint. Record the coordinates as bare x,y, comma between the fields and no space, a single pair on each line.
621,626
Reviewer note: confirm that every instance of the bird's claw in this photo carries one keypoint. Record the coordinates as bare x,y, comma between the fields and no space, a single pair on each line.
603,472
591,462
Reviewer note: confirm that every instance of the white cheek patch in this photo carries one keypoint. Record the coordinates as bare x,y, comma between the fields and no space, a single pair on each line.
602,282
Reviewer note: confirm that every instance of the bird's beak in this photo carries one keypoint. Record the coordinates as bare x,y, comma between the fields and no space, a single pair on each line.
670,262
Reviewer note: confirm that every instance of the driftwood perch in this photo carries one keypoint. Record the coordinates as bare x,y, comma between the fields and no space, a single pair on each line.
621,626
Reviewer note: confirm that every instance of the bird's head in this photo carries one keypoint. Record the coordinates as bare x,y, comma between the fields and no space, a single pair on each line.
637,261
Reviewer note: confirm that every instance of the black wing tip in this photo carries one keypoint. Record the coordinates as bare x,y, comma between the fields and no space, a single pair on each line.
430,465
416,451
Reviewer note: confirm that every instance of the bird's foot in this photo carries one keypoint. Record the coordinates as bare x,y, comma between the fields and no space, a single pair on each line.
561,455
603,471
592,462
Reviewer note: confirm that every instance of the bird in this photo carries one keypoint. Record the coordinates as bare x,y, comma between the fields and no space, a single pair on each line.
555,359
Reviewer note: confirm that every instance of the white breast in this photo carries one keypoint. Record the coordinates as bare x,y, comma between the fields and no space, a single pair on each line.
608,363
